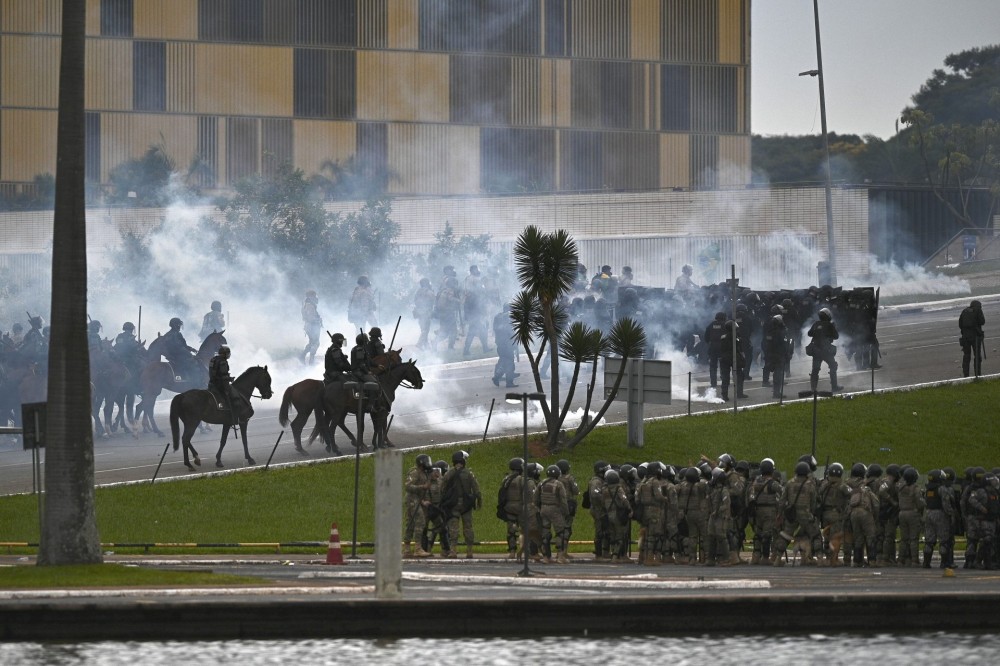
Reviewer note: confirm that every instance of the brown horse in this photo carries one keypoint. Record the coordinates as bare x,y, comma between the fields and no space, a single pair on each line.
197,405
158,375
110,380
305,396
338,401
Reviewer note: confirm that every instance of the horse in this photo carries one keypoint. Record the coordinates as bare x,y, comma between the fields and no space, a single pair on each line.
157,376
305,396
197,405
338,401
110,379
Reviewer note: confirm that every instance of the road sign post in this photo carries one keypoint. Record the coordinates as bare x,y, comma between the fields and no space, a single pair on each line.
644,381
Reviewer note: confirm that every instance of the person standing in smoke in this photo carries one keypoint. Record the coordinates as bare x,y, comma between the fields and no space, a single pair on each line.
503,335
823,332
713,339
684,284
476,317
971,323
447,308
423,310
213,321
361,308
774,349
312,324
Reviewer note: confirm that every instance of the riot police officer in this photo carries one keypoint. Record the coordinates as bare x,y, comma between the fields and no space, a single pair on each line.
336,362
970,323
823,332
220,379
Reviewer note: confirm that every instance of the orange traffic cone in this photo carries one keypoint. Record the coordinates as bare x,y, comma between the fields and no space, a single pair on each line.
333,554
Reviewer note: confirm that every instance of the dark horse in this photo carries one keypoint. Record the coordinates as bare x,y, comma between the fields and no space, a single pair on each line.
338,401
193,407
305,396
159,375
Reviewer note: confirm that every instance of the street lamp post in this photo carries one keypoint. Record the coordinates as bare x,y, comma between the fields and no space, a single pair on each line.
818,72
523,398
359,389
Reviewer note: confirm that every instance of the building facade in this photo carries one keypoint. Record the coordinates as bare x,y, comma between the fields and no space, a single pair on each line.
432,97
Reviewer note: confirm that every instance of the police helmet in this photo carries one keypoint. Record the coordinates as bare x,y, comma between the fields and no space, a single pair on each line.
718,476
36,321
858,470
910,475
654,469
425,282
459,457
534,470
720,316
94,326
825,314
600,467
337,339
361,339
441,465
777,309
216,306
801,469
311,293
767,466
935,475
363,281
692,474
978,474
893,470
606,269
424,461
875,471
726,461
778,319
627,471
741,308
224,351
669,472
553,472
809,460
835,470
17,327
706,470
949,474
611,476
563,466
516,464
743,467
976,305
376,332
176,322
687,269
128,326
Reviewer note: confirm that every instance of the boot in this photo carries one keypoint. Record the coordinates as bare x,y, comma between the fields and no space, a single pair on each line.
562,558
755,558
928,554
734,557
420,552
407,549
834,386
468,552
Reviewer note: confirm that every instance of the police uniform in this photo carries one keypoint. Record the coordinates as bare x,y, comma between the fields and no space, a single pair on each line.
553,509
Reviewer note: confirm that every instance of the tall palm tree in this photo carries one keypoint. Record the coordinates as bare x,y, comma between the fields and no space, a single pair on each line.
69,524
546,267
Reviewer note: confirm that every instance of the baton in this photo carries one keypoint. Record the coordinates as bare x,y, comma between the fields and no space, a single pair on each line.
276,444
398,319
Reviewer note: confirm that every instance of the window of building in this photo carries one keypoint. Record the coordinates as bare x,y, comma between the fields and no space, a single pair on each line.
517,159
325,84
207,159
243,148
116,18
92,159
480,90
675,98
492,26
149,76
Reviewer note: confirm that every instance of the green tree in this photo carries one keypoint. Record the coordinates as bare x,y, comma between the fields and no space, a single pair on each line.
69,524
546,266
143,182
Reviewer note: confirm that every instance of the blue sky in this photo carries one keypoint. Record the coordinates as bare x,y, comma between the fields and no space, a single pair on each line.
876,54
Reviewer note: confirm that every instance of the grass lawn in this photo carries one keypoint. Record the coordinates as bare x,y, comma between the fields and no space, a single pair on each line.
111,575
934,427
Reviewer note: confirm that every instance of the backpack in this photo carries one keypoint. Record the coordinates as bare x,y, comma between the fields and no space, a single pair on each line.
502,498
455,490
857,498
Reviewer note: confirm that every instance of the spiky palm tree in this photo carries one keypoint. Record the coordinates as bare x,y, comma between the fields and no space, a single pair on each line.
69,525
546,266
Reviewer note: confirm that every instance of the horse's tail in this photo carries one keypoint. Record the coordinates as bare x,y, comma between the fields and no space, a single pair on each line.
175,416
286,400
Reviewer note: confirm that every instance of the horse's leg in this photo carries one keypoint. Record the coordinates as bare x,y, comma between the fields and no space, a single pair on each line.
109,408
222,445
246,450
189,429
298,423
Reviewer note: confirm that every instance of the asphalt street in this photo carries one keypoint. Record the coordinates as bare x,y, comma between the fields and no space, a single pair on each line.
919,345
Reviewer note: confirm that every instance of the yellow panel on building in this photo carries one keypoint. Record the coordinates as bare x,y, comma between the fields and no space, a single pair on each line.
135,133
675,169
238,80
165,19
29,69
546,93
181,77
33,16
463,160
93,19
403,25
29,145
564,93
319,141
112,91
734,160
730,38
644,43
402,86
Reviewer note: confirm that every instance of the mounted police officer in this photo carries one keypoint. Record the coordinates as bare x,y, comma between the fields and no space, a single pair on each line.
361,362
220,380
376,347
823,332
94,334
971,323
336,363
312,324
34,345
213,321
177,351
126,347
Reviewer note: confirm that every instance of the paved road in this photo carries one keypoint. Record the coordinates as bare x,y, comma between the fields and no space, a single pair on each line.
919,344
